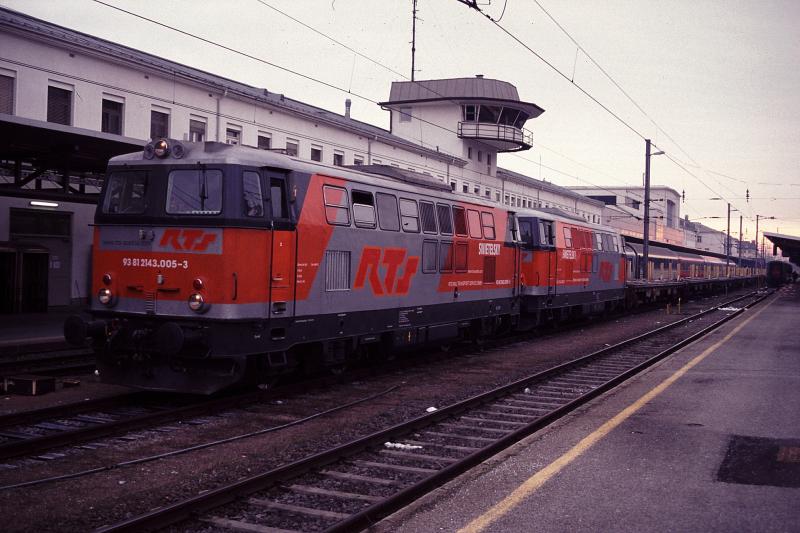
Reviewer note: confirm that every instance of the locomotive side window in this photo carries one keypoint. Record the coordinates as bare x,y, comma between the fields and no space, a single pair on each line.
251,194
364,209
337,210
445,219
429,256
387,212
568,237
446,257
277,198
461,256
409,215
460,221
126,193
487,221
428,217
194,192
474,219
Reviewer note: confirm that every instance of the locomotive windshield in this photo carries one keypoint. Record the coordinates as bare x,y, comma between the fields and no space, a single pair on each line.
194,192
126,193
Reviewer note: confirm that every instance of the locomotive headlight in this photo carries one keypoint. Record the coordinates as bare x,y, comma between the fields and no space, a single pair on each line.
104,296
161,148
198,284
106,279
196,302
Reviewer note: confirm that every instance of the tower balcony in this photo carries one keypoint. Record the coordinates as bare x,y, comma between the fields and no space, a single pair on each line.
503,137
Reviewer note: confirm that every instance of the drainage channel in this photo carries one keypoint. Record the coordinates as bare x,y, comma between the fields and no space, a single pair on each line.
355,485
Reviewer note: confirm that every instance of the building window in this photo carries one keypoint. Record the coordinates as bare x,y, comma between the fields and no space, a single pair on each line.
197,130
489,163
470,112
159,124
358,159
480,156
405,114
264,141
453,186
376,162
233,135
59,106
469,152
316,152
465,187
111,121
7,95
497,196
292,147
630,202
338,158
488,193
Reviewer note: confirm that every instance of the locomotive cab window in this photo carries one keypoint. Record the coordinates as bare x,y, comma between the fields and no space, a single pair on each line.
547,235
194,192
253,201
277,198
526,233
363,209
125,193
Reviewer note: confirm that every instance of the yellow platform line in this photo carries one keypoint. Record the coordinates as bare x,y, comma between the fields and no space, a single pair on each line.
534,482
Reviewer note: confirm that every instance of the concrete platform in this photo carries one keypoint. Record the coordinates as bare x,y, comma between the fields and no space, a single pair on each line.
33,330
708,440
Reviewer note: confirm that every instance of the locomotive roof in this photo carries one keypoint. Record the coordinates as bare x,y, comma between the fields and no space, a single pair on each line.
216,153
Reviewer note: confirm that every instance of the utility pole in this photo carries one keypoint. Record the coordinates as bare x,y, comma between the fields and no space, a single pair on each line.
757,254
728,243
740,240
413,36
646,235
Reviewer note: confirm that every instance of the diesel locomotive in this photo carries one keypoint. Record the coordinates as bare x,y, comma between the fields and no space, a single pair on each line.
215,264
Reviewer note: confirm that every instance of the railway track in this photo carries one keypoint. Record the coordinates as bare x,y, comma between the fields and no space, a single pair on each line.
48,362
35,432
352,486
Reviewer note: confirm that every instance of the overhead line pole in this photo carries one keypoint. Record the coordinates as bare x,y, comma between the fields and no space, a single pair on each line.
646,235
413,36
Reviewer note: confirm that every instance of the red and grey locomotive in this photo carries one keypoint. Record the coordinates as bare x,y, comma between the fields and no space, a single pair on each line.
215,264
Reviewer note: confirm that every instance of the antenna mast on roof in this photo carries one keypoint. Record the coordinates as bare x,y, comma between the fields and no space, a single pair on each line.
413,35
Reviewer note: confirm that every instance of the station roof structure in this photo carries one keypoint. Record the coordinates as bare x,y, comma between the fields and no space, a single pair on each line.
789,245
477,89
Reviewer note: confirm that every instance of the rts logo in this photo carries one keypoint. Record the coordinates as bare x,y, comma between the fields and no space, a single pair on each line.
187,240
369,268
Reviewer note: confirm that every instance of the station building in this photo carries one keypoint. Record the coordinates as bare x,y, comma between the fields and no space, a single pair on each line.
70,101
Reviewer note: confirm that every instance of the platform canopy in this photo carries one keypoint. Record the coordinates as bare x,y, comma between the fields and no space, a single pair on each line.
789,245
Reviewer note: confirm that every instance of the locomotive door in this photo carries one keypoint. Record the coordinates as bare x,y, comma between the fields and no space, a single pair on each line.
283,251
552,273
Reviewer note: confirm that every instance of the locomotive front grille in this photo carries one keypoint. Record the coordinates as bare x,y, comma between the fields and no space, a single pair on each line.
150,302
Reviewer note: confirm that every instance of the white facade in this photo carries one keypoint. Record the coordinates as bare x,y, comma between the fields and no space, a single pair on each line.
50,74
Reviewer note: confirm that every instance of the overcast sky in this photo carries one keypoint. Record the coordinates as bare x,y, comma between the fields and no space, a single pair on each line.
718,81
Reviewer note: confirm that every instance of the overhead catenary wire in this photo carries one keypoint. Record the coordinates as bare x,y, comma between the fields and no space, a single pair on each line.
292,71
585,91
